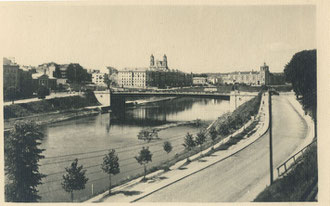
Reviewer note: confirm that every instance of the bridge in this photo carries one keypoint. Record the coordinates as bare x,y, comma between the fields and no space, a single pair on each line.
117,98
181,94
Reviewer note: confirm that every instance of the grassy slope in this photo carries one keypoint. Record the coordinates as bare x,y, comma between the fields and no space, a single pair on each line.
297,184
49,105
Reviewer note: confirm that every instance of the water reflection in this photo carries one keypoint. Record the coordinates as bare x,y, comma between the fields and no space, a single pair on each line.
89,139
158,113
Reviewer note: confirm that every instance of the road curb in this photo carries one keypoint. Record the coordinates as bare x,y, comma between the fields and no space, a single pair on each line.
221,159
235,149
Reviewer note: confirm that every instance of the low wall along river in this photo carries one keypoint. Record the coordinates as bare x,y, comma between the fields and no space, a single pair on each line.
90,138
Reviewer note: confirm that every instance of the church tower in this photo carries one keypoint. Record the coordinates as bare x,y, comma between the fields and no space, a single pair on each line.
165,61
152,61
264,74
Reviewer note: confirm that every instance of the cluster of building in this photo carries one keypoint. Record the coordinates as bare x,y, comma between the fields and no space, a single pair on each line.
253,78
27,79
157,75
14,77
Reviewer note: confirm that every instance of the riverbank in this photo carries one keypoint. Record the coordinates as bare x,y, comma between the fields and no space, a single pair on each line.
57,104
50,110
52,117
177,169
63,108
146,101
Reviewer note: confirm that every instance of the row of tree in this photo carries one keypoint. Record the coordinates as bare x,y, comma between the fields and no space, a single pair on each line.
75,177
13,93
301,72
22,168
191,141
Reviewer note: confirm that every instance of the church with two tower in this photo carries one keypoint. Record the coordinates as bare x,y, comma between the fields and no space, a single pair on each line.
158,65
157,75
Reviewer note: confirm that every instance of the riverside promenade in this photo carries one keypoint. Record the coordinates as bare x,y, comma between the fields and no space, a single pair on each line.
51,96
136,190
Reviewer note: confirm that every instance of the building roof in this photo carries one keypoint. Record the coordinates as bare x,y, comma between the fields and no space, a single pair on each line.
9,61
38,75
140,69
238,72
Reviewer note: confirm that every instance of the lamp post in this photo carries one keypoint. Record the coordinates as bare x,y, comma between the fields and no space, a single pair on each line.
270,137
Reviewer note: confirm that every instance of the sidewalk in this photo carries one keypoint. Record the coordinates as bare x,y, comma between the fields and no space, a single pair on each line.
263,183
310,123
136,190
51,96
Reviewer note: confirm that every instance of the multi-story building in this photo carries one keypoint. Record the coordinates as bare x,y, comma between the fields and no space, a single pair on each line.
212,79
17,78
47,68
261,77
10,73
99,78
157,75
199,80
137,77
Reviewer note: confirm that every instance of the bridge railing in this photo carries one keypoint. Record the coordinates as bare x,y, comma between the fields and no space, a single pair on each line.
293,160
184,93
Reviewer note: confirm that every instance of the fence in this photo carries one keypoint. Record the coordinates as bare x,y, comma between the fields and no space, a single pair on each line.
293,160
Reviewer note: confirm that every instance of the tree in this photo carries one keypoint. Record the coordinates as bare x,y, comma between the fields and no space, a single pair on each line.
60,87
110,165
213,134
144,158
223,128
74,179
148,134
42,92
12,93
77,74
167,146
200,139
107,81
301,72
22,155
198,122
189,142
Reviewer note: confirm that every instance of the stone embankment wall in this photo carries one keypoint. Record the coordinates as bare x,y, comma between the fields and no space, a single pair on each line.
103,97
238,98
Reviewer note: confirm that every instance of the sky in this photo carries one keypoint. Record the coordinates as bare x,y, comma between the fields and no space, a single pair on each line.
195,38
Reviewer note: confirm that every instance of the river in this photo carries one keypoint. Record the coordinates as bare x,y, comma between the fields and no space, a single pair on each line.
90,138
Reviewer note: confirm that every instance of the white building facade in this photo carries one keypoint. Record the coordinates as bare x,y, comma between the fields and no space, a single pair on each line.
256,78
99,78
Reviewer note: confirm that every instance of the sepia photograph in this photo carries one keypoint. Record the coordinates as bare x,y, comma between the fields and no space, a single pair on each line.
159,103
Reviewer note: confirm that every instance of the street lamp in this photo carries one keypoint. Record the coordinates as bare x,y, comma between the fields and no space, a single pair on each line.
270,92
270,137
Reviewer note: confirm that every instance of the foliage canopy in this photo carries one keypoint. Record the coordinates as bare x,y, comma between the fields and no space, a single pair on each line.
22,154
74,179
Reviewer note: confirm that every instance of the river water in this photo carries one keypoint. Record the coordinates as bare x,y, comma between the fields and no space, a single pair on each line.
88,139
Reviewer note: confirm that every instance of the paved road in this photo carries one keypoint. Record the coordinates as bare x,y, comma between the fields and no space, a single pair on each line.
52,95
240,176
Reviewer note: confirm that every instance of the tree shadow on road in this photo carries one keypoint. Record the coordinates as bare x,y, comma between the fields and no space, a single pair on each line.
154,179
126,193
